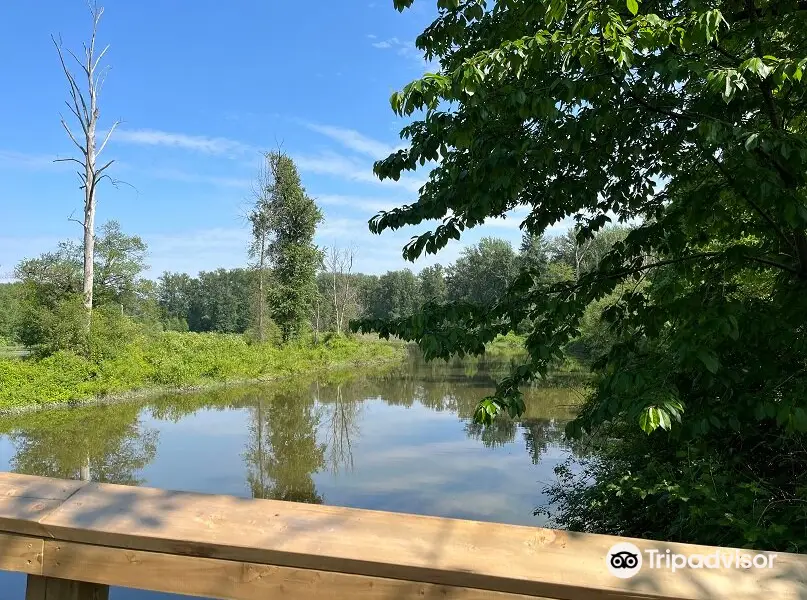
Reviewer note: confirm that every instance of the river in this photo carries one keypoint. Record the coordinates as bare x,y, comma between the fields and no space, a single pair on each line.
401,440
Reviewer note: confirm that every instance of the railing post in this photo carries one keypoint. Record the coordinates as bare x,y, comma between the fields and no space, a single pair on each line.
51,588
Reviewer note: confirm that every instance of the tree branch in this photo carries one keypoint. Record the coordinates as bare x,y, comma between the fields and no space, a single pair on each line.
75,91
106,139
75,160
72,137
100,56
773,263
733,184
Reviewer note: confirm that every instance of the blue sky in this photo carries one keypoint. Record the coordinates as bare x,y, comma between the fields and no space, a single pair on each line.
202,88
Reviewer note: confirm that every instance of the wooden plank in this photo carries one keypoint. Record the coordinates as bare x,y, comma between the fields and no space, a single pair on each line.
26,499
233,580
32,486
518,560
19,553
22,515
50,588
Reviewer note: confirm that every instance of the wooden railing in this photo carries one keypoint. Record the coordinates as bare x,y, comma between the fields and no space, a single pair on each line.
74,539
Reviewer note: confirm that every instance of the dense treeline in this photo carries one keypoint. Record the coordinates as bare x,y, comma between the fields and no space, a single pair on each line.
224,300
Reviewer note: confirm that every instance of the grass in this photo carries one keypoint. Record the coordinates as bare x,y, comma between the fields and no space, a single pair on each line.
175,360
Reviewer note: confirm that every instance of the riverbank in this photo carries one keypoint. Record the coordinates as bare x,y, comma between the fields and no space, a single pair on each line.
175,361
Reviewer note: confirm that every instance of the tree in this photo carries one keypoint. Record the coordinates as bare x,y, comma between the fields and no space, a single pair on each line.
433,284
84,106
687,117
584,255
53,276
175,293
339,264
260,220
10,301
483,272
120,260
395,295
49,313
222,303
533,253
294,257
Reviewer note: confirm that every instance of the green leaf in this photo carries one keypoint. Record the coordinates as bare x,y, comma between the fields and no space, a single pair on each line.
756,65
709,359
633,6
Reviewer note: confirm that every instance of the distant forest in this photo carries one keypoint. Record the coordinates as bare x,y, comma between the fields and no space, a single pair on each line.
224,300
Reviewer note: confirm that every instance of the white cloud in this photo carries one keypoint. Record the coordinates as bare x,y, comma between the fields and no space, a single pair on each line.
371,36
353,140
196,143
350,169
408,50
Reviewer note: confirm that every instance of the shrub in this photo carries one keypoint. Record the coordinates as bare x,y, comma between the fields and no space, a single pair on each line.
124,357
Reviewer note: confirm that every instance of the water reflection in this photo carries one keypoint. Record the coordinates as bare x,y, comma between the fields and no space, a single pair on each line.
99,443
283,453
399,440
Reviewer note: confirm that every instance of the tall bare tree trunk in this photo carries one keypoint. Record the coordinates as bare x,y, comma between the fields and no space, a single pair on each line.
337,319
84,106
261,293
89,226
316,321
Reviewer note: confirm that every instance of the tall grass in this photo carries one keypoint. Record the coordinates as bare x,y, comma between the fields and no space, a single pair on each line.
173,359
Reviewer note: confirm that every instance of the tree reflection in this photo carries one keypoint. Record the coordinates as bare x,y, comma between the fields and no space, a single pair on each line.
341,426
283,452
108,444
540,434
502,431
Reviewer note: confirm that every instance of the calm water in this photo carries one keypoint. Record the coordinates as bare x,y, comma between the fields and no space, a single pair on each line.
401,441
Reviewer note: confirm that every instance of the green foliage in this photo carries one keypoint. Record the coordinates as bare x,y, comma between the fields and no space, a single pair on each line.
218,301
396,294
433,284
120,259
119,262
10,307
47,331
483,272
294,258
689,119
122,359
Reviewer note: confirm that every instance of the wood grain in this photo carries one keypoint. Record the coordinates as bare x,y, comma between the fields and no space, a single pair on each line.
19,553
372,544
33,486
22,515
233,580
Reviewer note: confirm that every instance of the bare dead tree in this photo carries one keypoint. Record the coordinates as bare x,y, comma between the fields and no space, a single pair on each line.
339,263
260,220
84,90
